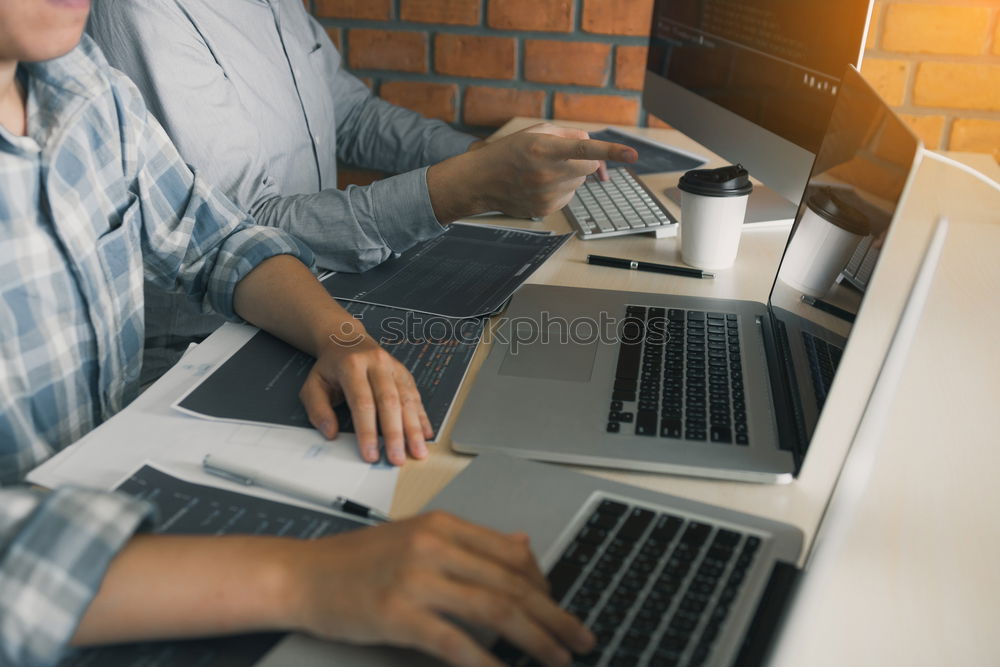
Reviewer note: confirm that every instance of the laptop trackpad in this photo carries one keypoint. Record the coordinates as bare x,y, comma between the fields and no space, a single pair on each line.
550,360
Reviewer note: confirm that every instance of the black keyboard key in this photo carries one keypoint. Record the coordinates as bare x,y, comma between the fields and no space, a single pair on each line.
665,528
634,640
693,604
703,588
623,396
609,566
583,601
602,521
580,553
721,434
611,508
635,525
718,554
683,623
670,428
696,534
628,361
625,384
609,619
592,535
614,427
619,548
726,538
616,406
561,578
645,422
695,315
710,570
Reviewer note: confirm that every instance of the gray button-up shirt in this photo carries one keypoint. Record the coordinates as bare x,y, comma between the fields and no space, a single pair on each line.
253,94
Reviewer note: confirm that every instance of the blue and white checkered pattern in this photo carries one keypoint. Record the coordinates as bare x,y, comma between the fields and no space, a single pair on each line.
93,200
60,546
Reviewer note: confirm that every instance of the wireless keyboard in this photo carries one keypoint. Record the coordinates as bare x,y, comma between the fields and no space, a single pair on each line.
621,205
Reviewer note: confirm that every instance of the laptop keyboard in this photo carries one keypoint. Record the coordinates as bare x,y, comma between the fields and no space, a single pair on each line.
824,358
621,205
680,375
655,589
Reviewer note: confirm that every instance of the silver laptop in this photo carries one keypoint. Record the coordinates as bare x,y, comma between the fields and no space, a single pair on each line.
700,386
660,580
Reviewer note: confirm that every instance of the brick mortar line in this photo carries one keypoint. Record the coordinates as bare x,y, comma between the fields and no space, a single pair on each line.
944,141
947,58
949,112
419,77
483,31
519,60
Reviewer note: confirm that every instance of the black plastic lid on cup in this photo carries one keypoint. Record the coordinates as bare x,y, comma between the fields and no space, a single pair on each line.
731,181
830,205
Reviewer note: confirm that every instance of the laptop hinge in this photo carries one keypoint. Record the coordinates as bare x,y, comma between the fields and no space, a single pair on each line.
784,390
767,618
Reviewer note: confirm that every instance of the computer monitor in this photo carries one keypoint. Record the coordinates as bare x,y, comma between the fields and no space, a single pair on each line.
754,81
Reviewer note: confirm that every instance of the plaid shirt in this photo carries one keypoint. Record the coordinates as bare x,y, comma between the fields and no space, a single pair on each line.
93,200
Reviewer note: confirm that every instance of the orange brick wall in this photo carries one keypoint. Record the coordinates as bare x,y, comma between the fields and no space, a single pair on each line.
477,63
938,63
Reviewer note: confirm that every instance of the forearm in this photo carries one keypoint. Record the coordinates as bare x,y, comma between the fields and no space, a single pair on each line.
162,587
357,228
281,296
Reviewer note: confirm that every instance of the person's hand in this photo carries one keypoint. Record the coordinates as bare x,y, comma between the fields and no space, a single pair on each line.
530,173
571,133
377,388
399,584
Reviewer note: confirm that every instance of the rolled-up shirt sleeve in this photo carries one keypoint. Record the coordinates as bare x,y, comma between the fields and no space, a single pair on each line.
195,240
168,56
55,548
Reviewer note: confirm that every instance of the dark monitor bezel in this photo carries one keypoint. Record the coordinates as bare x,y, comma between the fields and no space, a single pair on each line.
779,163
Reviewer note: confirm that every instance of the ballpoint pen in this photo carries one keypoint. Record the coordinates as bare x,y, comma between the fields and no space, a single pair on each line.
819,304
241,474
635,265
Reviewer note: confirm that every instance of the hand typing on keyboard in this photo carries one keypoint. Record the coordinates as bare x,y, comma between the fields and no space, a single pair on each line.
531,173
406,582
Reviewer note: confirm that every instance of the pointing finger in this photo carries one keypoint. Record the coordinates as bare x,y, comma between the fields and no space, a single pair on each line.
590,149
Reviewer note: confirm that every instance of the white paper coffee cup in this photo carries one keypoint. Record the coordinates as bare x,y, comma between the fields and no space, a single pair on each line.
710,229
821,246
